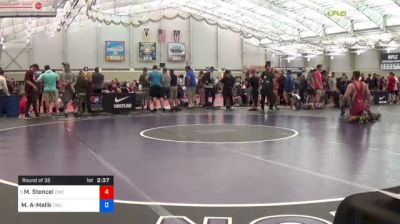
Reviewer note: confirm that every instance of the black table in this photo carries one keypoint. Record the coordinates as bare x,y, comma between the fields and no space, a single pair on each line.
369,208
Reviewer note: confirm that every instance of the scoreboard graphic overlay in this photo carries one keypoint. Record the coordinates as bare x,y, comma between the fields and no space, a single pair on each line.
28,8
66,194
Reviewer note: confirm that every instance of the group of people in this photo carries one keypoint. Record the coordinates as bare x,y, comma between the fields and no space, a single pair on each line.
271,87
166,85
390,83
51,92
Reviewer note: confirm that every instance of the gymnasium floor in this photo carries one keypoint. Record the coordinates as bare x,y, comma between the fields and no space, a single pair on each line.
206,163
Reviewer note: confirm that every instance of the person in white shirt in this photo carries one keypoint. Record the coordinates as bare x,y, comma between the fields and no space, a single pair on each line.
3,84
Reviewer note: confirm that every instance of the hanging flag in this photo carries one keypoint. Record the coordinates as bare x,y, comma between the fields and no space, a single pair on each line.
177,35
146,34
161,35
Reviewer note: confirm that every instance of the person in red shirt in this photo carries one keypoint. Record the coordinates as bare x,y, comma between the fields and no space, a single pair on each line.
31,90
391,82
318,87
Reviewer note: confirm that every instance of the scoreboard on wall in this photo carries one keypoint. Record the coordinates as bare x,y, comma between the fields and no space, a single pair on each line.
66,194
390,61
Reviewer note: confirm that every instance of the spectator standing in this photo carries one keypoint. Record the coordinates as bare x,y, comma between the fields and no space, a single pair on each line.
181,87
228,82
166,87
209,86
31,90
39,96
374,83
279,83
191,86
391,85
3,84
332,91
81,89
174,88
381,83
200,87
267,87
68,81
369,81
89,78
253,82
288,88
155,79
145,87
303,87
247,85
342,86
97,81
318,87
50,92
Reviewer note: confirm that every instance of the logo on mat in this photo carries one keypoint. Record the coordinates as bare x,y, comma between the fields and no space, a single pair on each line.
381,98
121,99
292,219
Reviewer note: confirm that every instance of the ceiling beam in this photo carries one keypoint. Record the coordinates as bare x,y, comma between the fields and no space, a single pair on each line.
266,26
368,12
189,9
339,21
295,21
397,2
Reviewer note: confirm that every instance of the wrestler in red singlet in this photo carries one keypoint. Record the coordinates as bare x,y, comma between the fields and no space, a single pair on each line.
358,102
